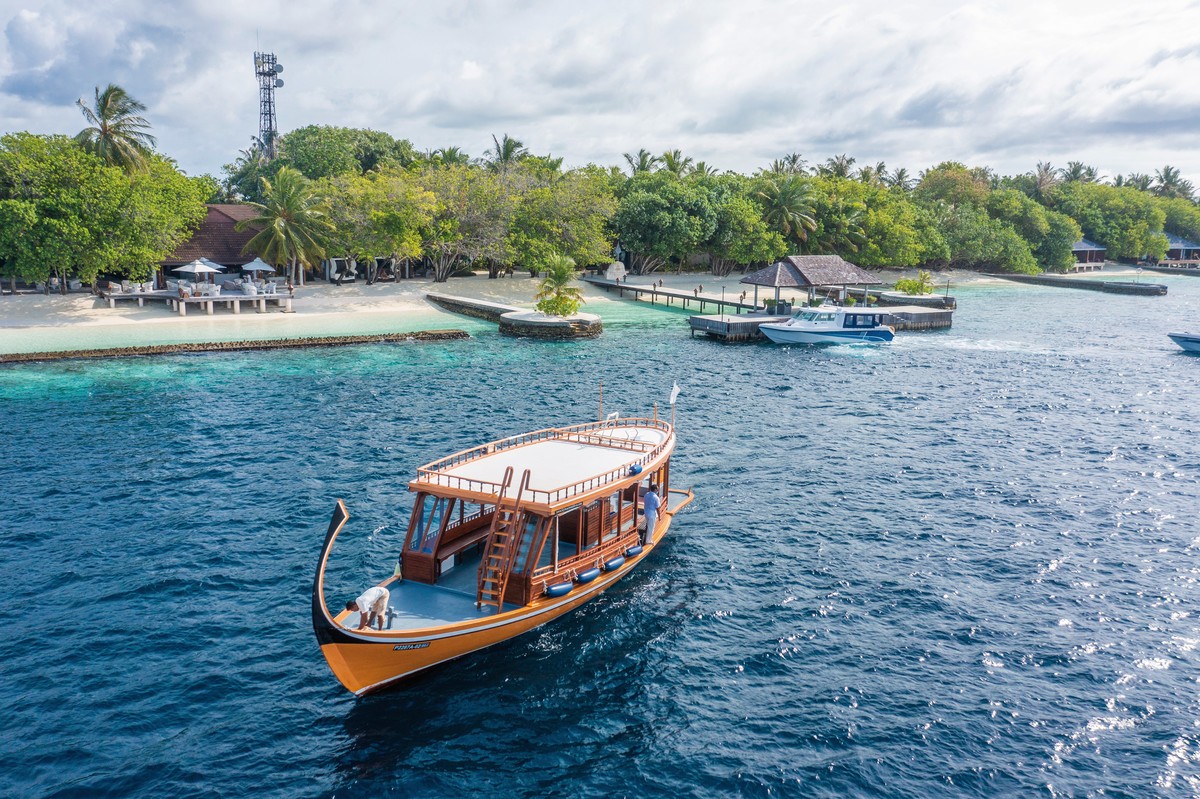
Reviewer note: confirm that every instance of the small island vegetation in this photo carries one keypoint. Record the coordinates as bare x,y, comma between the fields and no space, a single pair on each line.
105,203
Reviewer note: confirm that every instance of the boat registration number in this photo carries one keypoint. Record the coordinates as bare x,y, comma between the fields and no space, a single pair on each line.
403,647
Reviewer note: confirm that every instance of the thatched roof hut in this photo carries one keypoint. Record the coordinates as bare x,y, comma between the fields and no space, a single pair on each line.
808,272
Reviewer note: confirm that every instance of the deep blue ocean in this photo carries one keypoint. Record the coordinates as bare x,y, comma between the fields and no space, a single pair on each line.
964,564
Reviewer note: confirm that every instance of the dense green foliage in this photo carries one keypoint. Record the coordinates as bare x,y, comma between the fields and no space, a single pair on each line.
64,212
112,205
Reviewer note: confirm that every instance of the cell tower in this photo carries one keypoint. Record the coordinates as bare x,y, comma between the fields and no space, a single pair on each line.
267,69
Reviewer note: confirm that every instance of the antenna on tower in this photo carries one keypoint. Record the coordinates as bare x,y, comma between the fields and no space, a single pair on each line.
267,69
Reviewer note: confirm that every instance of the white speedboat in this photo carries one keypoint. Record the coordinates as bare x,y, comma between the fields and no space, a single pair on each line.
1189,341
830,324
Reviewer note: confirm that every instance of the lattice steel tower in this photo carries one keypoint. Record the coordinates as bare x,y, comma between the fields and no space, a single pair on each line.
267,69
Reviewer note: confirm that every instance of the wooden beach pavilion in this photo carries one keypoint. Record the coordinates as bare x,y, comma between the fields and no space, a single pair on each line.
810,272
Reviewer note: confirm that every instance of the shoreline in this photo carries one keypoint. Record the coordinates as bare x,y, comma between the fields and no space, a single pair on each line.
42,327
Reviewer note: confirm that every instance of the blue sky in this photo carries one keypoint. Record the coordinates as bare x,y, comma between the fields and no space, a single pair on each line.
1004,84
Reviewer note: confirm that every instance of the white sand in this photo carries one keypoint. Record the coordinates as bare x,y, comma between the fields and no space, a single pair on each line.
37,322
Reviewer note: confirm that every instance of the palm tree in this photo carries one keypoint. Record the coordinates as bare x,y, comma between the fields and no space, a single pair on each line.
676,163
555,297
1045,178
293,223
1168,182
117,134
1078,172
700,169
642,162
838,166
449,155
873,175
900,179
1137,180
788,207
505,153
790,164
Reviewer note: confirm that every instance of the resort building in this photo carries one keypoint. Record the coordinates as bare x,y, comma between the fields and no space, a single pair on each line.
1088,252
217,239
1181,249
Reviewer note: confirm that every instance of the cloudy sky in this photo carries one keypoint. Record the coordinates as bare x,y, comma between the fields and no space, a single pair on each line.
1005,83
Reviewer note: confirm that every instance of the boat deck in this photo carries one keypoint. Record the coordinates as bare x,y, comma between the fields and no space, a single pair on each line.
416,606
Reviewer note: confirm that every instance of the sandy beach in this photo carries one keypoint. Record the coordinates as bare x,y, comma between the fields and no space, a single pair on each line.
47,323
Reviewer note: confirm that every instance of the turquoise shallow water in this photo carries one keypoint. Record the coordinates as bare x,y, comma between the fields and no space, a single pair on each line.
960,565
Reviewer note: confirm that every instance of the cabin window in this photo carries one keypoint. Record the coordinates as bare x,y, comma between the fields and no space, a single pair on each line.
429,523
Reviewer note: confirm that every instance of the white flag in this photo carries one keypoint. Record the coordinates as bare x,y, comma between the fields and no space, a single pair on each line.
674,393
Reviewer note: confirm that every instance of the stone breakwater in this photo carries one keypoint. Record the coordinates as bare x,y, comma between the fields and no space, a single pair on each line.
234,346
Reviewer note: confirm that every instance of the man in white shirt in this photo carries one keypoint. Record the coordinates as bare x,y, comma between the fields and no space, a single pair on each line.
650,506
371,605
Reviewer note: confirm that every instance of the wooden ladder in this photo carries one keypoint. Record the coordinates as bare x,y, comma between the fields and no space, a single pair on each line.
503,543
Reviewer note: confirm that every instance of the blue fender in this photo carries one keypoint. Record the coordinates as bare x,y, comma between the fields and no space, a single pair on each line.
558,589
612,564
588,576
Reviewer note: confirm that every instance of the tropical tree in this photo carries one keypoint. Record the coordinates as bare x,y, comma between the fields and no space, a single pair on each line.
900,179
293,223
700,169
448,155
787,206
1136,180
116,133
471,218
569,216
1169,183
675,162
790,164
1045,179
661,219
556,297
644,161
504,153
1078,172
741,236
64,212
839,166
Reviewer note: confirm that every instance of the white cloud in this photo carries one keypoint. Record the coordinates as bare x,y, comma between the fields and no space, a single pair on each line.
1005,84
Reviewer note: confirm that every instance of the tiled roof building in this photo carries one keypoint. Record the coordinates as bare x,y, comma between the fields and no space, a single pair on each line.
217,239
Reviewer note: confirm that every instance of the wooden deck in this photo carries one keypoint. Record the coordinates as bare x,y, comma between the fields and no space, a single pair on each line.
180,304
685,299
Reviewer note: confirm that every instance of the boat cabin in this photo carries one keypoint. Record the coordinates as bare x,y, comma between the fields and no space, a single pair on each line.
513,519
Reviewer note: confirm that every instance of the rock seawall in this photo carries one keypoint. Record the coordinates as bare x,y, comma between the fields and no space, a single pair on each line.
235,346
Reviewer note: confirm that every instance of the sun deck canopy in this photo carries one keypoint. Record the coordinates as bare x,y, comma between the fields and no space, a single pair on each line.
564,463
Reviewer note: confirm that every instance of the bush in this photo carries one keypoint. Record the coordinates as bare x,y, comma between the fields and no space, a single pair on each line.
921,284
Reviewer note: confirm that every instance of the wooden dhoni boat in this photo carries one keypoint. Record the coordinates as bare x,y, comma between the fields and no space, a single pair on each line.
504,537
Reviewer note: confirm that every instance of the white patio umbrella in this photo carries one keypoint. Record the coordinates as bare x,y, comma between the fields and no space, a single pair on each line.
258,265
198,267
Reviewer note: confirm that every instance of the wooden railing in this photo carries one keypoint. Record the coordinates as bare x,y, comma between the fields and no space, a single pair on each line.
434,473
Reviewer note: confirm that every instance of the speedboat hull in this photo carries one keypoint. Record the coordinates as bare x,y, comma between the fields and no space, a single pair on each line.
782,334
830,324
1189,341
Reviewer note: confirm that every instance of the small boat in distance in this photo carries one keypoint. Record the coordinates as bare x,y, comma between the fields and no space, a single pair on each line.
830,324
504,537
1189,341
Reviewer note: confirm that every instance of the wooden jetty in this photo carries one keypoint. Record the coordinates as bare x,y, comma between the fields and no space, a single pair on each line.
654,295
744,327
1110,286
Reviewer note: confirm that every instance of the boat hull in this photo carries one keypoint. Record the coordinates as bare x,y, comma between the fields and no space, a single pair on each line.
1189,341
781,334
365,661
